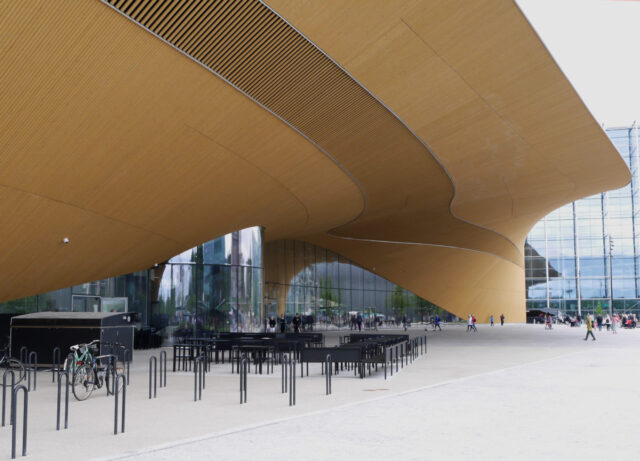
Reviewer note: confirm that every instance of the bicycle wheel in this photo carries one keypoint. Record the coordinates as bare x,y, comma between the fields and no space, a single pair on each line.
84,381
18,368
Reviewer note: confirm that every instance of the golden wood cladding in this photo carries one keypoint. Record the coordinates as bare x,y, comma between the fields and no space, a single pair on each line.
258,52
137,151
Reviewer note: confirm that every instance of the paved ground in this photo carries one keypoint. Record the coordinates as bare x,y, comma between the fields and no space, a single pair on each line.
513,392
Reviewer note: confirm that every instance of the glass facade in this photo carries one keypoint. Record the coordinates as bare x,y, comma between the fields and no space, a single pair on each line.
585,255
216,286
319,284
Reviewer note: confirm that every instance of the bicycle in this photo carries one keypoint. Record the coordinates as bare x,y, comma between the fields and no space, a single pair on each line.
82,353
94,375
7,362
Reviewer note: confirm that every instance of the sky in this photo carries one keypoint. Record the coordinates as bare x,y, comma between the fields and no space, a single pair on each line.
596,43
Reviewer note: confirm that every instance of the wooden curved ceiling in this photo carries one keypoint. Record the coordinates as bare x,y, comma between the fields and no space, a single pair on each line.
424,148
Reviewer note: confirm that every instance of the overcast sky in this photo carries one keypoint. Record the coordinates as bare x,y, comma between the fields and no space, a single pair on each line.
597,45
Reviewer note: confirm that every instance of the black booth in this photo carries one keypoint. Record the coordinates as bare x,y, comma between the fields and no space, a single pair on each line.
43,331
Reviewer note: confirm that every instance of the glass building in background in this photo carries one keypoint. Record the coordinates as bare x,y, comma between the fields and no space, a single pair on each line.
216,286
315,282
586,254
222,285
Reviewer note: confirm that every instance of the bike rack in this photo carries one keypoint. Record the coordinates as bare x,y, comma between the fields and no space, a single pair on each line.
292,382
4,391
198,378
153,362
14,411
112,366
66,400
71,363
55,364
24,352
243,380
32,355
328,374
163,369
127,359
124,403
284,361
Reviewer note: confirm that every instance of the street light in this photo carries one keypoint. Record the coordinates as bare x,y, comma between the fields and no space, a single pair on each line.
611,246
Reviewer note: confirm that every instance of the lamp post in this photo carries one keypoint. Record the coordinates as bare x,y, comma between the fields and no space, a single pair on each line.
611,245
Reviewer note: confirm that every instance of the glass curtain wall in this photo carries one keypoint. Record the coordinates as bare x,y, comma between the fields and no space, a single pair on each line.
584,257
327,290
216,286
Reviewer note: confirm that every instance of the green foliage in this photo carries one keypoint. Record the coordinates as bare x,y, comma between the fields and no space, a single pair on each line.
599,309
398,301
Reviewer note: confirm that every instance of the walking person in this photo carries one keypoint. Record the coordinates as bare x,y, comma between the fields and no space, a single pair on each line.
283,324
473,323
436,323
404,322
469,323
589,322
599,320
548,323
359,321
491,319
501,319
615,321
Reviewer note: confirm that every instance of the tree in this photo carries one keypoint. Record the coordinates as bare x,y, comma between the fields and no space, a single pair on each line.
398,302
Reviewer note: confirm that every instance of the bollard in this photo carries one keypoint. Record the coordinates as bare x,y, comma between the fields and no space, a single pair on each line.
14,411
243,371
153,361
55,364
4,391
124,403
292,382
66,400
328,374
425,344
127,358
391,359
32,365
163,368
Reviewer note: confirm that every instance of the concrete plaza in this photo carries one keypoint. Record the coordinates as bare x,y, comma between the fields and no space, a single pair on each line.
512,392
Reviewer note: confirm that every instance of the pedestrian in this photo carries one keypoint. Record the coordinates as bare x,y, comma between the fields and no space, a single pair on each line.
491,319
599,320
473,323
436,323
589,322
359,321
283,324
547,325
469,323
501,319
615,321
272,324
296,323
404,322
